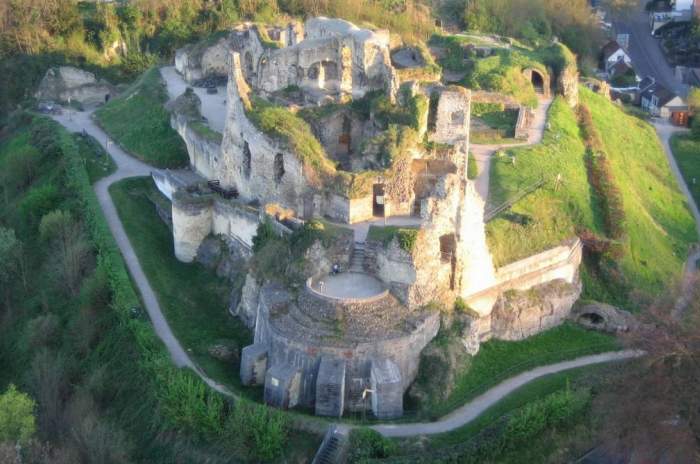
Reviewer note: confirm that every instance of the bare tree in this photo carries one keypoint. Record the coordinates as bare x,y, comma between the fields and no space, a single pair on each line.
69,248
655,404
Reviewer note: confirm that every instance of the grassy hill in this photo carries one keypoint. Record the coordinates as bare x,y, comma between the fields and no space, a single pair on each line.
658,226
138,121
686,150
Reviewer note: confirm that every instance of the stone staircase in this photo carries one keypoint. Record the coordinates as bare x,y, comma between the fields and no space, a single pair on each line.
332,450
357,262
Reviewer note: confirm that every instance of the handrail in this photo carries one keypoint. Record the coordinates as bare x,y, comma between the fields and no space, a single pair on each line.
343,300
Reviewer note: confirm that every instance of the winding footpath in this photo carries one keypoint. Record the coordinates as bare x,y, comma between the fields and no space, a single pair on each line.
128,166
484,153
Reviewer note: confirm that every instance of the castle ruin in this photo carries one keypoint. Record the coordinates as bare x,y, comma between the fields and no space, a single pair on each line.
386,158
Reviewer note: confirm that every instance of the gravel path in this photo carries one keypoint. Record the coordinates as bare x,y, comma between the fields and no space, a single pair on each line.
480,404
128,166
484,153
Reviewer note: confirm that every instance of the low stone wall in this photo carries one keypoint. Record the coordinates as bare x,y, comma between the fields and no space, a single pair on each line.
523,123
339,300
204,152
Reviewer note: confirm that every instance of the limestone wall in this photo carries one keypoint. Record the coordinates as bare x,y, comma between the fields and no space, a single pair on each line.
250,159
204,153
66,83
452,117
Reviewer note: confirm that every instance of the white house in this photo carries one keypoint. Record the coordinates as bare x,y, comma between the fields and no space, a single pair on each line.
613,54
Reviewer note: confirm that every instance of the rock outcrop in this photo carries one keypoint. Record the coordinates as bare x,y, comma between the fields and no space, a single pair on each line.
521,314
67,83
603,317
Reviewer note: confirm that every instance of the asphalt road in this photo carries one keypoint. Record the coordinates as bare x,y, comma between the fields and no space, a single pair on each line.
647,57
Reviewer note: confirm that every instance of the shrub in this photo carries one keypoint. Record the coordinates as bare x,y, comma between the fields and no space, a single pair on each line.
258,428
366,443
17,423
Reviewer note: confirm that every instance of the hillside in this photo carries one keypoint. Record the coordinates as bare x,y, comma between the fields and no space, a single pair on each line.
658,225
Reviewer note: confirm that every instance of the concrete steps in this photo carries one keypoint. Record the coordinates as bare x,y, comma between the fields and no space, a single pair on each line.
357,262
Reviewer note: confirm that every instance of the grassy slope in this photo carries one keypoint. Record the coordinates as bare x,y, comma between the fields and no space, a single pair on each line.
498,360
687,154
97,162
658,224
192,297
139,122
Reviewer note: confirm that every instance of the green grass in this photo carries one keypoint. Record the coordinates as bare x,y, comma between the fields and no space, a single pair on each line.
138,121
192,297
533,391
207,132
686,150
498,360
385,234
97,161
472,168
659,227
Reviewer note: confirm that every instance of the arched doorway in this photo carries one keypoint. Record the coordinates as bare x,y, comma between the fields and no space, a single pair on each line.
537,81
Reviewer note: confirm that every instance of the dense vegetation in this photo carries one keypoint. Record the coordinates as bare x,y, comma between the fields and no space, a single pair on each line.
657,228
119,40
534,21
76,339
139,122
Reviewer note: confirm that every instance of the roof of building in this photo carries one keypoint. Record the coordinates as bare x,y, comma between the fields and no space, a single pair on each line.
647,82
659,91
620,68
610,48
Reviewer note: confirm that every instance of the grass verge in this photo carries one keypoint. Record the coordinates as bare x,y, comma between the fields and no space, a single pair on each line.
686,150
499,360
192,297
138,121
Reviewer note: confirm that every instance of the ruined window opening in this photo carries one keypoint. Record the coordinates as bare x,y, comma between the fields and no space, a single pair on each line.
313,71
448,246
457,117
279,167
247,158
378,200
330,70
248,63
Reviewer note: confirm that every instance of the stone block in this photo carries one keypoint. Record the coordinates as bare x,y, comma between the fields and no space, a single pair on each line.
387,390
330,387
282,386
253,364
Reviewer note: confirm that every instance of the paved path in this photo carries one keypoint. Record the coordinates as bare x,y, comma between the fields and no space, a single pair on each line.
484,153
665,131
213,106
128,166
480,404
647,57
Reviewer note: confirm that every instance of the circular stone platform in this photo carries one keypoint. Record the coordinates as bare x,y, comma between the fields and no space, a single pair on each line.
348,285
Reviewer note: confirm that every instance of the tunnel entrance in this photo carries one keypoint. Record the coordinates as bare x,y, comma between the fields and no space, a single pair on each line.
537,81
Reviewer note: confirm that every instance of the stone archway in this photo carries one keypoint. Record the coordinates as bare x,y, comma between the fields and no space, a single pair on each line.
540,81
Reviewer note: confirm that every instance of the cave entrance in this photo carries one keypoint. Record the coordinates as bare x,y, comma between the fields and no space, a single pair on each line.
537,81
448,246
378,200
592,318
278,167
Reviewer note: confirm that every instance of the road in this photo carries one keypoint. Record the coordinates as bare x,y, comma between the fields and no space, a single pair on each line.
128,166
484,153
647,56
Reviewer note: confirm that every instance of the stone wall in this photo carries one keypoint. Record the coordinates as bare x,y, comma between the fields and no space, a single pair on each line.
452,117
195,216
204,152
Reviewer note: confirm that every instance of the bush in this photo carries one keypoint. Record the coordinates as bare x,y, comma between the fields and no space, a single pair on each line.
260,429
17,423
366,443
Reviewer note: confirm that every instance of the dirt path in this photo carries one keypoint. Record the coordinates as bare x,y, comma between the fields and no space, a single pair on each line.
128,166
665,131
484,153
480,404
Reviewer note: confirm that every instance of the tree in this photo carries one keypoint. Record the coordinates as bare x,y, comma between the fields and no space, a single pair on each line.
694,100
10,253
655,404
17,422
68,247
